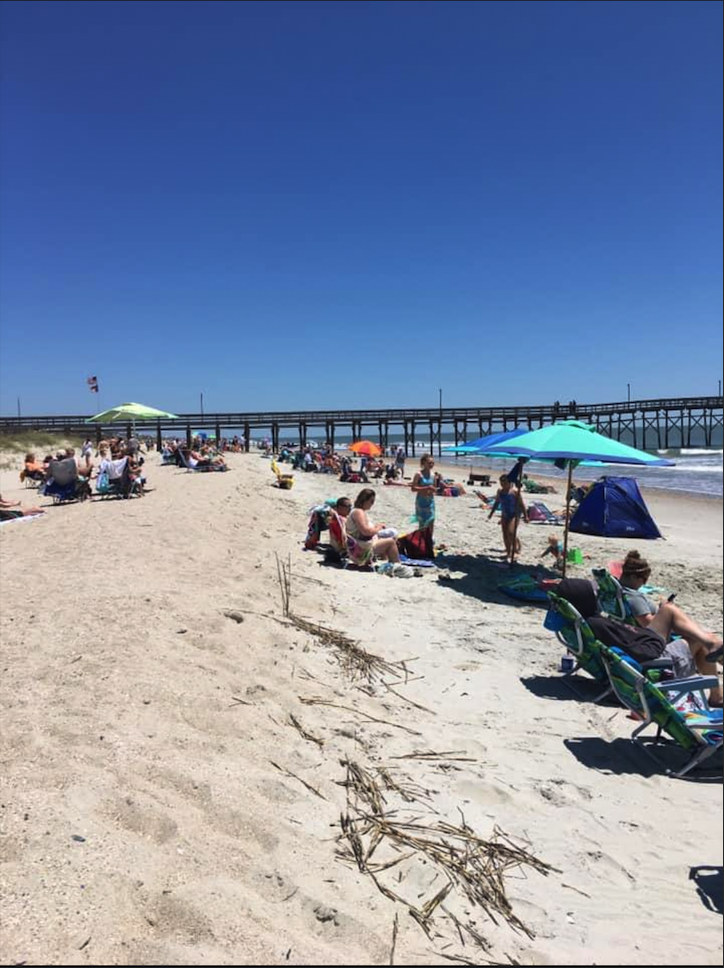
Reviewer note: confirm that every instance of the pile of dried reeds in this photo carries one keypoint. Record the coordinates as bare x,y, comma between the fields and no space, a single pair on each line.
377,840
355,661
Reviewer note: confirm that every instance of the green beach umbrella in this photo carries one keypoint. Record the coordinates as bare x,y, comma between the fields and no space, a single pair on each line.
131,412
568,444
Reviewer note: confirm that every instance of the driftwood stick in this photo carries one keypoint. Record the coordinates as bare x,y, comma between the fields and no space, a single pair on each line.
395,926
357,712
294,776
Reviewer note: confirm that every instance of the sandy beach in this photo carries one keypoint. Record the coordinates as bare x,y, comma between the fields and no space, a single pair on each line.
173,778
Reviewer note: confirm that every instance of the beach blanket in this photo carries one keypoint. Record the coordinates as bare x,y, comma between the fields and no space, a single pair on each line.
20,519
417,562
528,589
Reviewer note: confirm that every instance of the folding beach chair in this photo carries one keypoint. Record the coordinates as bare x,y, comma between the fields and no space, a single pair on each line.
63,483
676,707
203,468
611,598
285,481
574,632
540,513
114,480
32,479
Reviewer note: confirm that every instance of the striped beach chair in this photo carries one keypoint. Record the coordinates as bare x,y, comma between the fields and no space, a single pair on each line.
676,708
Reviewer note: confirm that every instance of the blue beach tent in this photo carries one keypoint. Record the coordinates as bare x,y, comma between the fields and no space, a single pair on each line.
614,508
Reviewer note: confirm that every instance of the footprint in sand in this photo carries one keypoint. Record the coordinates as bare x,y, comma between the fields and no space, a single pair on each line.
175,918
481,793
143,820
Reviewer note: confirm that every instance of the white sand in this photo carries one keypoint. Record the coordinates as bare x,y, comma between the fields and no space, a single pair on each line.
119,726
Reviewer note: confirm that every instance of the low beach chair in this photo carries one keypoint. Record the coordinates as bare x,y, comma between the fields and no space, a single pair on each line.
201,468
574,632
114,480
676,707
63,483
32,478
540,513
285,481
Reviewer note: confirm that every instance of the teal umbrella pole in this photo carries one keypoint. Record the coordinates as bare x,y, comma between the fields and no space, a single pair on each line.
566,532
513,553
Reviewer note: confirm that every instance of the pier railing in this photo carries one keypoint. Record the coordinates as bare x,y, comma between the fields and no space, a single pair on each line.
665,422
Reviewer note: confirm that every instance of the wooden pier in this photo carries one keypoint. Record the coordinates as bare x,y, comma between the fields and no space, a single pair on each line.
648,424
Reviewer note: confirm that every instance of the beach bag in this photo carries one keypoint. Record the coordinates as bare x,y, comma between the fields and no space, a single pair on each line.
102,482
642,645
417,544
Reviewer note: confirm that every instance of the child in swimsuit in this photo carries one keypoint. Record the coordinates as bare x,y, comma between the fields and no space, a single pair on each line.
512,509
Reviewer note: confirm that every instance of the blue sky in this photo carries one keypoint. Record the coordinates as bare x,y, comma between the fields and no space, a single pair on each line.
343,204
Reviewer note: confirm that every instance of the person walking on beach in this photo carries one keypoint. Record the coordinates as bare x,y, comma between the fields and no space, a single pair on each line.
400,460
512,508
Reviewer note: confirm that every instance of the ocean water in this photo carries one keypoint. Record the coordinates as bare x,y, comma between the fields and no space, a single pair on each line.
697,471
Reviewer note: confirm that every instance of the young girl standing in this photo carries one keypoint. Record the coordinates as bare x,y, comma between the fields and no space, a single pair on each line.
512,508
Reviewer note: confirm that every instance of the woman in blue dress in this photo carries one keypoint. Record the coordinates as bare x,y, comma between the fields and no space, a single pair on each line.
424,486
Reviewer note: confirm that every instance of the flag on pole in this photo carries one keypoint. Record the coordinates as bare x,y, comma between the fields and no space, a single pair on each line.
92,382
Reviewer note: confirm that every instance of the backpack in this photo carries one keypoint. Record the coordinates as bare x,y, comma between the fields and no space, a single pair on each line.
643,645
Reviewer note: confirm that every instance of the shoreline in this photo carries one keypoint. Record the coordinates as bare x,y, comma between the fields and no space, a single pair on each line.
454,470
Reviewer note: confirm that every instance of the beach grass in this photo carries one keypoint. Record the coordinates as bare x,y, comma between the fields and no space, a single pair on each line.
14,446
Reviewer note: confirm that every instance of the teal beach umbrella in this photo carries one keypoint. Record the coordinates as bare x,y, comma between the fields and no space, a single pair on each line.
568,444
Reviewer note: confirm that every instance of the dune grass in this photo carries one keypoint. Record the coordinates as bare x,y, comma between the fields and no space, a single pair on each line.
13,447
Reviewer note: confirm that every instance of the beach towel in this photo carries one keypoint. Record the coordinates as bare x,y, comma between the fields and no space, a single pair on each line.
20,518
318,522
417,562
526,589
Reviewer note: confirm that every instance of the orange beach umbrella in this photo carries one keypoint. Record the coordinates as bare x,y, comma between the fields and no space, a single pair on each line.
365,447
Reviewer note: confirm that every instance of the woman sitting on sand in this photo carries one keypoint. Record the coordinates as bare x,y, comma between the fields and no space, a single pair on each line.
668,619
363,543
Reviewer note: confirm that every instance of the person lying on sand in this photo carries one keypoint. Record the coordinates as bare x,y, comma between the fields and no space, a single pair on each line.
13,509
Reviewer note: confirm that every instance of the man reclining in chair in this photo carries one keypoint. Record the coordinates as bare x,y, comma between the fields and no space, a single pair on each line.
202,460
